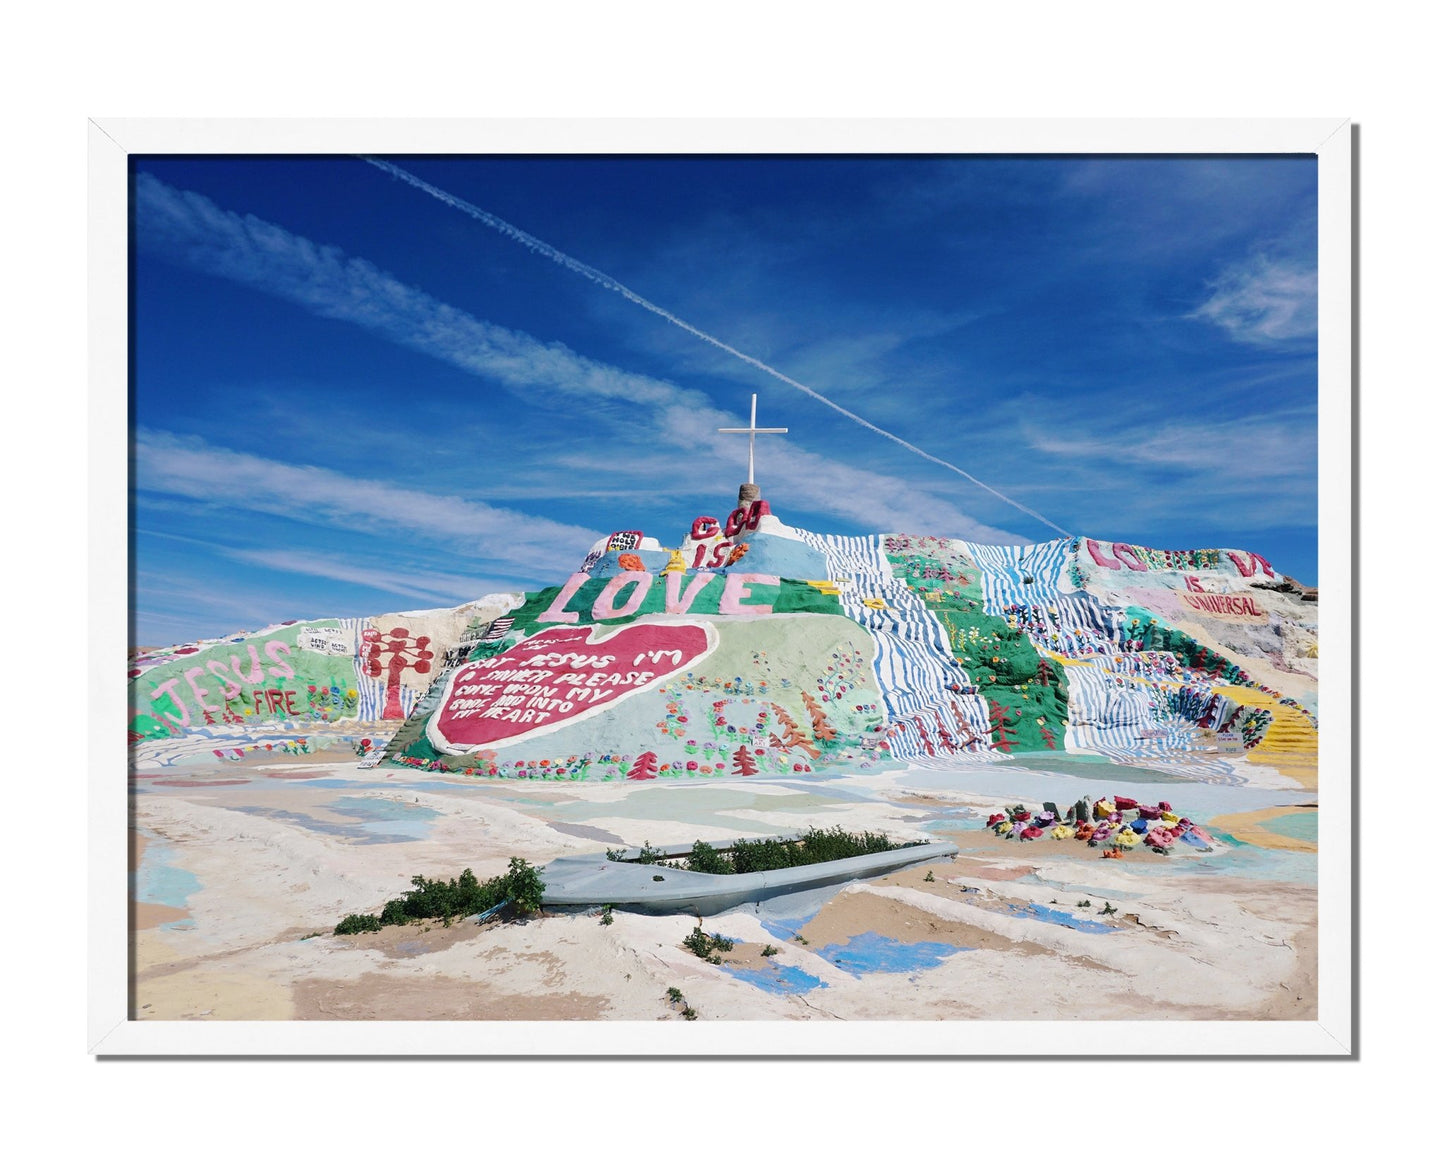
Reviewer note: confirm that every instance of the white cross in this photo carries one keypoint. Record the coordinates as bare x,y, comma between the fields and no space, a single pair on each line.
752,430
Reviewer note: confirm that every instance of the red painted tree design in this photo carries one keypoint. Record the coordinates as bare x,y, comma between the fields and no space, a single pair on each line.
1211,711
823,730
969,738
796,738
397,652
923,734
1001,727
744,763
645,767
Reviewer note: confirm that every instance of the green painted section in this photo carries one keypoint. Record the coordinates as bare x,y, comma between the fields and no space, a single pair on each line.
263,677
787,596
1157,634
1027,694
1303,826
801,688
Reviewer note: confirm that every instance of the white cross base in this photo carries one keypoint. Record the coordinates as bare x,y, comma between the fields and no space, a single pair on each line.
752,430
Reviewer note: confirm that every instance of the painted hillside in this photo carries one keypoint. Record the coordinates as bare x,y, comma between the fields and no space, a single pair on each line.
751,647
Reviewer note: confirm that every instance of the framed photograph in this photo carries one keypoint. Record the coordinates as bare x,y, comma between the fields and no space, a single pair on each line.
761,588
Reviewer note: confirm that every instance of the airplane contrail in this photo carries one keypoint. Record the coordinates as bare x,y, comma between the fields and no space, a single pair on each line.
610,283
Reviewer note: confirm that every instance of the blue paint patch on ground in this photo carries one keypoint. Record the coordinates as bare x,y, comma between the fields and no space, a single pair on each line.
954,820
784,915
871,953
1057,917
391,820
157,882
951,826
777,979
365,820
351,833
833,791
785,928
1253,861
429,783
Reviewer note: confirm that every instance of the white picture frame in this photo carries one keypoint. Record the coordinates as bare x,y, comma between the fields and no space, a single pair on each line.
110,1030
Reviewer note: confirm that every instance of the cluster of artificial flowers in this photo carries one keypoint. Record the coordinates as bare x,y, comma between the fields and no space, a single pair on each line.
1114,827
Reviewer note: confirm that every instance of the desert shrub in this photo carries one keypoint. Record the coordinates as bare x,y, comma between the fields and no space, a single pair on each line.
833,844
521,886
647,855
757,856
706,946
816,846
358,924
706,859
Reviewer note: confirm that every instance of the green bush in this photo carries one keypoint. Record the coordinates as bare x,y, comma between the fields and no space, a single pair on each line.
833,844
706,859
358,923
647,855
706,946
758,856
815,847
521,886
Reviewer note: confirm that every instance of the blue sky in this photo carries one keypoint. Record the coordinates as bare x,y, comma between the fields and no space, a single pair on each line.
350,396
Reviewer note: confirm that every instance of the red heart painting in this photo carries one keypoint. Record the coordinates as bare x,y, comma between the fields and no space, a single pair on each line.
559,677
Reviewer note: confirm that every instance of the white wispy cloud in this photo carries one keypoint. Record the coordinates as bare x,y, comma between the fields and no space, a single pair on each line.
411,577
1280,444
401,580
799,477
193,469
199,607
608,282
1206,471
191,230
1264,301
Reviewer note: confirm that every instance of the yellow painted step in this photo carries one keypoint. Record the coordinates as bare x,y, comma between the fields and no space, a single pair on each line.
1291,743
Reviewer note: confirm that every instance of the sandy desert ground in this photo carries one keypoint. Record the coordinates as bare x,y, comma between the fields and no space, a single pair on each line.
241,871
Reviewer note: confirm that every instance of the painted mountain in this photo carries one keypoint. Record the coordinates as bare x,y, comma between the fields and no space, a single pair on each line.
752,647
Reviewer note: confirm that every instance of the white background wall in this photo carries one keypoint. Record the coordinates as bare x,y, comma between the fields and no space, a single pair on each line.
1371,64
